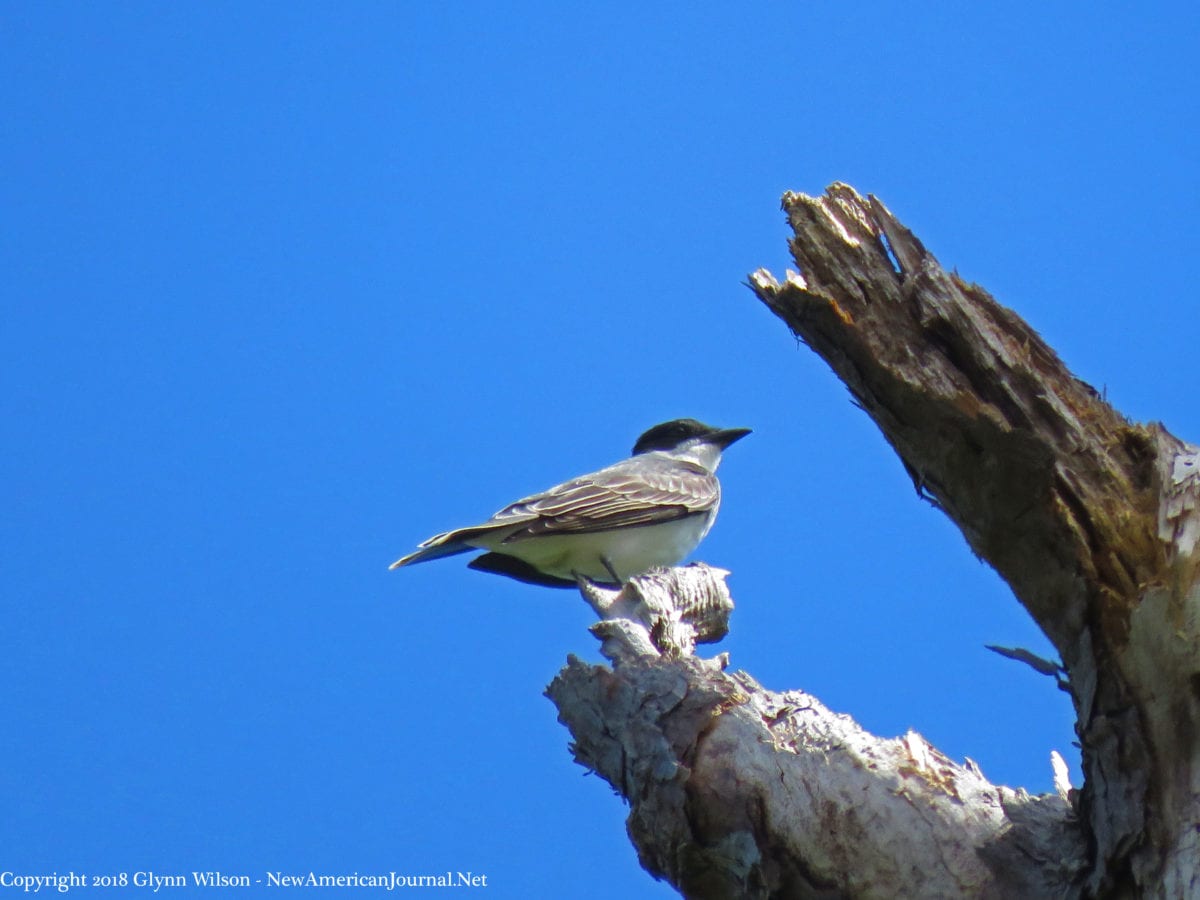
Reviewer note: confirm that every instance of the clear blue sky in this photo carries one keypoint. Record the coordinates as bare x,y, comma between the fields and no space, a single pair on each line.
289,287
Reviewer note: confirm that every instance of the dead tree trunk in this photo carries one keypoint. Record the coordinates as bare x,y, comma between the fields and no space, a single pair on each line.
1092,520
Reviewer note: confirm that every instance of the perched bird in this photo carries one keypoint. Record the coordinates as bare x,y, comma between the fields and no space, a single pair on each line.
649,510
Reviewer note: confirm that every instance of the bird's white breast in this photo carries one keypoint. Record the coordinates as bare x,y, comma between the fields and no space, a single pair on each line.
631,551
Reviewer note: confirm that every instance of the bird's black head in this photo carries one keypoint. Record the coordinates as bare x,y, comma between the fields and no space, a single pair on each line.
670,435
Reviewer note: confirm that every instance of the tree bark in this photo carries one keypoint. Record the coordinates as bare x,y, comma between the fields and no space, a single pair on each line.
1092,520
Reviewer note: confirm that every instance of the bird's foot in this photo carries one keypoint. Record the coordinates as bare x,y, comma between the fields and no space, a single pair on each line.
617,579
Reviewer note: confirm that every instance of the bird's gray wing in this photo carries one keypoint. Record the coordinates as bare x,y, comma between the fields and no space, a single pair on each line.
620,496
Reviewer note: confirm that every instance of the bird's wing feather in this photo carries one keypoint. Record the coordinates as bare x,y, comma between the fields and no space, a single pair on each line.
617,497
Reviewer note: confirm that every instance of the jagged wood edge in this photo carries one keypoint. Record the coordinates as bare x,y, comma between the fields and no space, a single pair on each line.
1091,519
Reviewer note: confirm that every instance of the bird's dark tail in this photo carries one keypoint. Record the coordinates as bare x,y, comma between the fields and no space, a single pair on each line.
518,569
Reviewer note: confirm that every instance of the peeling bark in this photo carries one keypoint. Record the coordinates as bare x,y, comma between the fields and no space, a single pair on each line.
1092,520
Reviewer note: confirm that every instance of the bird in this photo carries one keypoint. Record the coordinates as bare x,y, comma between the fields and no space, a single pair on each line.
649,510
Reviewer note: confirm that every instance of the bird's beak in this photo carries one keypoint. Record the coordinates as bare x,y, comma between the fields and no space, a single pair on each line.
727,436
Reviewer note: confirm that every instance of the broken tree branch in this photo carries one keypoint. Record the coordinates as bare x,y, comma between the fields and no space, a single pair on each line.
739,792
1093,521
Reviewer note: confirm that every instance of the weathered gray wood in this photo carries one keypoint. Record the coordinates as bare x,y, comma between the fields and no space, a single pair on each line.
665,611
1095,523
740,792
